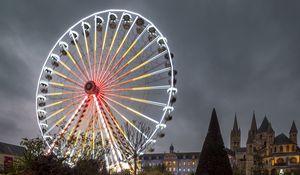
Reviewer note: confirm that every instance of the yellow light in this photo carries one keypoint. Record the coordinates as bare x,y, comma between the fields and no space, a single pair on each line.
71,57
56,84
56,112
141,77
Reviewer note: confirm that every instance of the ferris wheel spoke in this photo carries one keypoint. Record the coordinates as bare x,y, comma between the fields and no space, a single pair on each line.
78,48
61,85
138,100
60,110
132,110
95,48
62,93
126,119
103,46
87,51
102,120
67,78
119,48
86,131
142,88
132,59
108,131
85,75
75,127
121,131
127,51
110,48
62,118
63,131
70,70
136,68
140,77
62,101
76,141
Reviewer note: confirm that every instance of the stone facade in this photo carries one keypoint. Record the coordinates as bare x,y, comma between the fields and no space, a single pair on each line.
265,153
175,162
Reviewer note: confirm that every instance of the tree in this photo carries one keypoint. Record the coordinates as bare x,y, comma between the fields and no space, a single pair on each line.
214,159
155,170
138,137
35,162
91,159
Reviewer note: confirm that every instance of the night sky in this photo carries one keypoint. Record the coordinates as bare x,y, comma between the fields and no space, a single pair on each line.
237,56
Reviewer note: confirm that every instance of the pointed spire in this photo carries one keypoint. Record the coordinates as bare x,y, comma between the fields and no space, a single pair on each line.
235,124
264,125
253,130
213,158
270,129
253,123
294,128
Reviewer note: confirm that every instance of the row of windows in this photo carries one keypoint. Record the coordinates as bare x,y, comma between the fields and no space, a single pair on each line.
180,169
172,163
160,157
288,148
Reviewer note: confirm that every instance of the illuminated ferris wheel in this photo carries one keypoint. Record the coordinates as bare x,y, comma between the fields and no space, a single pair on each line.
109,69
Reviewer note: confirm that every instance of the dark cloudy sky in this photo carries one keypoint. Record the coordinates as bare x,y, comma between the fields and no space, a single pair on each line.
235,55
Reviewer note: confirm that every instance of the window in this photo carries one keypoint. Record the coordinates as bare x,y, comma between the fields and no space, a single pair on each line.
275,149
281,149
293,160
287,148
280,160
293,148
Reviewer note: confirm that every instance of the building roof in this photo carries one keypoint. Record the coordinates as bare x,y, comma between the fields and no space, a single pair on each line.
252,130
265,126
10,149
293,128
253,123
235,125
282,139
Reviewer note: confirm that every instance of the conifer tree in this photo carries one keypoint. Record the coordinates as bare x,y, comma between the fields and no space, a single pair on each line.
214,159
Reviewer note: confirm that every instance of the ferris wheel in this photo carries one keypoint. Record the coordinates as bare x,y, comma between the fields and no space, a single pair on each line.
109,69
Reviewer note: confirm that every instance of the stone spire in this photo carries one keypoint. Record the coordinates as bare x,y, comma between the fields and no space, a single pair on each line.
235,136
253,123
293,133
294,128
235,124
253,130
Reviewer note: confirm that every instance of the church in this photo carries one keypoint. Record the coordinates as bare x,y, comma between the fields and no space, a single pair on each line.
265,153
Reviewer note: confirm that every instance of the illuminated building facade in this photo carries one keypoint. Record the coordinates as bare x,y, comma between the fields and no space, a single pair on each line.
175,162
265,153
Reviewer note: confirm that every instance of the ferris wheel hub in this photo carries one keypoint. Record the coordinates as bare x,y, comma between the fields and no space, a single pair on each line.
91,88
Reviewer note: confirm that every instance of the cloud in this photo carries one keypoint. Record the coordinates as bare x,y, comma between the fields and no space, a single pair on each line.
237,56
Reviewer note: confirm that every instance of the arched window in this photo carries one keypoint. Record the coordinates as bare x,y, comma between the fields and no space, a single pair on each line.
280,160
287,148
293,160
275,149
281,149
293,148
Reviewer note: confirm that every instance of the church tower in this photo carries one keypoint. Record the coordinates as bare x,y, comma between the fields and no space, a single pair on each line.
293,133
235,136
252,134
